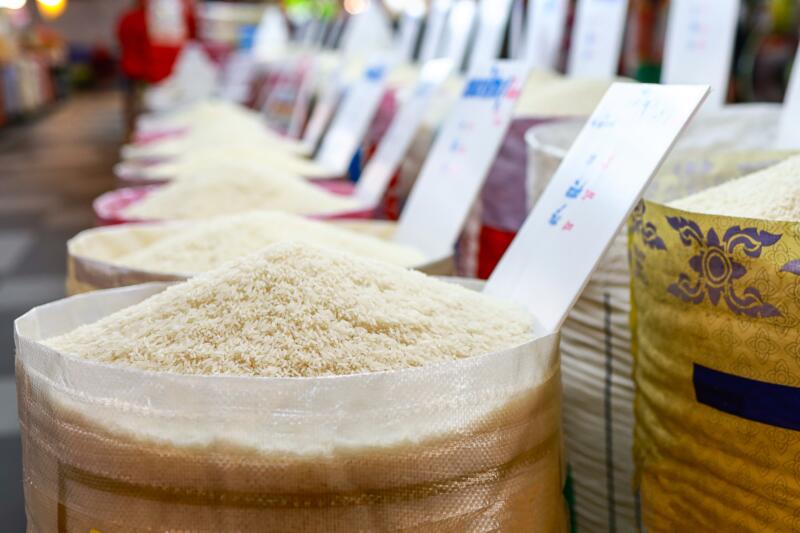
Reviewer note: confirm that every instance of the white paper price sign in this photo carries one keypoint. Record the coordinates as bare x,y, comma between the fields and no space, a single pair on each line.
590,196
597,39
492,20
307,66
407,36
545,32
460,159
434,30
459,30
322,113
353,119
398,137
699,44
789,132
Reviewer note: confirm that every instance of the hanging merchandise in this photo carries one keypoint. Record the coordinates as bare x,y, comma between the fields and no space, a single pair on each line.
166,22
368,30
51,9
272,36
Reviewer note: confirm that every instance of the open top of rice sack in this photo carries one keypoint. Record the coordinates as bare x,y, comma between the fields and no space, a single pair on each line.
769,194
296,389
139,253
211,119
234,192
217,155
716,307
295,310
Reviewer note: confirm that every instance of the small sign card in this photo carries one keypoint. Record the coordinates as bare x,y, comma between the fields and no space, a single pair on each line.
458,32
434,30
407,35
353,118
590,196
492,21
597,39
699,44
398,137
546,22
323,111
460,159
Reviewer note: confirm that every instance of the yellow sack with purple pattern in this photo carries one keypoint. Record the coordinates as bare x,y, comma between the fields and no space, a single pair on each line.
716,340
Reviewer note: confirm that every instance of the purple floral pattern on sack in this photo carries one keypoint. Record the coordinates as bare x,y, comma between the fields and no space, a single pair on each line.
647,230
716,271
792,267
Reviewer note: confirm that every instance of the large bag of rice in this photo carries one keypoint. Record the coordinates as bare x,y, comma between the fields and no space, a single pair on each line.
595,345
130,254
597,365
339,435
716,304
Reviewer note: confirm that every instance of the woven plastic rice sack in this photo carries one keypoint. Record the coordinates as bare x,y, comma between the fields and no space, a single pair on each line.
716,294
596,338
236,191
471,444
130,254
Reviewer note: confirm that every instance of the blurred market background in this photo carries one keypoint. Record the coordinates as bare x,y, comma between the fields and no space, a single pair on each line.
71,75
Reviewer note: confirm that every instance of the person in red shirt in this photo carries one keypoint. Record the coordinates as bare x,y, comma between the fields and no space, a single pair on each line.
151,34
170,25
134,47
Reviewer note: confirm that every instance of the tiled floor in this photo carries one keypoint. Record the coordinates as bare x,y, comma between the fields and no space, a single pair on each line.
50,170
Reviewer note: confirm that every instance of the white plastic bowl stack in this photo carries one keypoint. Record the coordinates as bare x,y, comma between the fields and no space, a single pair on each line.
470,445
596,339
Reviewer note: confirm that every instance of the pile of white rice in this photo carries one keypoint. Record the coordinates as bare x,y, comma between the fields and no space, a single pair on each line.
237,190
206,245
294,310
769,194
220,156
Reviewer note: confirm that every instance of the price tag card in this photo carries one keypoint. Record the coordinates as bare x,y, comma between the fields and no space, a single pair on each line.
407,36
516,30
307,67
434,30
597,39
398,137
458,32
590,196
460,159
789,131
545,32
281,100
492,21
353,119
699,44
323,112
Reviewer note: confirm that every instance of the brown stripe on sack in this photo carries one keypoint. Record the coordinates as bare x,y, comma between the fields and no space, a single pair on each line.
256,500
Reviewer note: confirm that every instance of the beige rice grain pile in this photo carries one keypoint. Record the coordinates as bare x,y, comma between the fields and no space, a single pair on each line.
295,310
238,190
769,194
206,245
